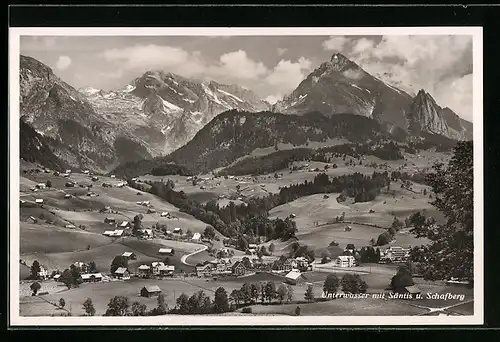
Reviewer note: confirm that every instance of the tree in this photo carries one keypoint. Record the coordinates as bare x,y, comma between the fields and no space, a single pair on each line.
331,284
402,278
297,311
161,308
254,292
76,277
270,291
281,292
245,293
209,232
62,303
383,239
138,309
119,261
67,278
392,231
396,224
35,287
182,303
309,295
289,293
137,224
352,283
451,241
35,270
221,302
246,262
88,307
48,184
117,306
235,296
325,257
242,243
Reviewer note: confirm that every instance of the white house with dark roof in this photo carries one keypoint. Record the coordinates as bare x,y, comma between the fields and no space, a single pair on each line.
345,261
196,237
129,255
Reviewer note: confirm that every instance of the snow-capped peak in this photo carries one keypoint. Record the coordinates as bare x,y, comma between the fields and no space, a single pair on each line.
89,91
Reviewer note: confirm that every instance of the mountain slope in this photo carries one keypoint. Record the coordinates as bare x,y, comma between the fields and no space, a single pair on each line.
78,135
234,134
166,110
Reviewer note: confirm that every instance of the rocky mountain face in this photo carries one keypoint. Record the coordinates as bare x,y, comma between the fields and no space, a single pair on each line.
75,132
165,110
342,86
234,134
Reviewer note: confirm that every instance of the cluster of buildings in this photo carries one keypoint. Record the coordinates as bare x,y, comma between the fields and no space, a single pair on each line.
157,268
394,254
221,267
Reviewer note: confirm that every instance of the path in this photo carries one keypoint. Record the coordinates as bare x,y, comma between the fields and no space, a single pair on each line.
185,256
432,309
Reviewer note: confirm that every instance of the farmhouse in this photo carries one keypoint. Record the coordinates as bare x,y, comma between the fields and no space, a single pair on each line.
43,273
68,171
143,269
166,270
129,255
205,270
41,186
395,253
155,266
56,277
122,273
92,277
117,232
166,251
151,211
109,220
177,231
164,214
70,226
113,176
151,290
69,184
147,233
294,278
86,172
238,268
345,261
39,201
196,237
108,233
125,225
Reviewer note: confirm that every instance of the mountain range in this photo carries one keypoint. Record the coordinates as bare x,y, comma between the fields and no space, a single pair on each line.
188,121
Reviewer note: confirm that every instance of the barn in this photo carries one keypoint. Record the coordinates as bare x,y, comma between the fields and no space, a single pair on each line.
295,278
150,291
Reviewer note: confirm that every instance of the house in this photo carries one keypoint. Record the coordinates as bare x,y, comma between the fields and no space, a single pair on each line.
56,277
65,175
86,172
413,291
117,233
68,171
238,269
196,237
205,270
166,251
67,196
177,231
150,290
395,253
151,211
70,226
348,228
125,225
223,266
43,273
69,184
122,273
166,270
41,186
252,246
113,176
155,267
39,201
345,261
109,220
129,255
108,233
147,233
294,278
92,277
164,214
143,269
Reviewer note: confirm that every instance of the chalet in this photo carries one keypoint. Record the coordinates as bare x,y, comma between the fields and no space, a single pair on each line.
113,176
166,251
252,246
95,179
65,175
70,226
164,214
109,220
345,261
86,172
129,255
238,269
177,231
125,225
67,196
151,211
147,233
108,233
205,270
166,270
294,278
122,273
118,232
41,186
196,237
92,277
39,201
150,290
43,273
155,267
396,253
143,269
68,171
223,266
56,277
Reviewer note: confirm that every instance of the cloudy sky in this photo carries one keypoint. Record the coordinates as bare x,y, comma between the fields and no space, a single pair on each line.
271,66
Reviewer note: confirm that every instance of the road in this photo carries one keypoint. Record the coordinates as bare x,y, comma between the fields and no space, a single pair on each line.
185,256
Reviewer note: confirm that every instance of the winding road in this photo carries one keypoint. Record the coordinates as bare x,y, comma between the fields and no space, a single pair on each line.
185,256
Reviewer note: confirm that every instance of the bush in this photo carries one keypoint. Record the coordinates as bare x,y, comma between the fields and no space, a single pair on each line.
297,311
246,310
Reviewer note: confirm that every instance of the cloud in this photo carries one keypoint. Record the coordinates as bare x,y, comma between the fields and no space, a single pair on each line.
239,65
281,51
360,45
456,93
112,74
335,43
287,75
63,63
272,99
